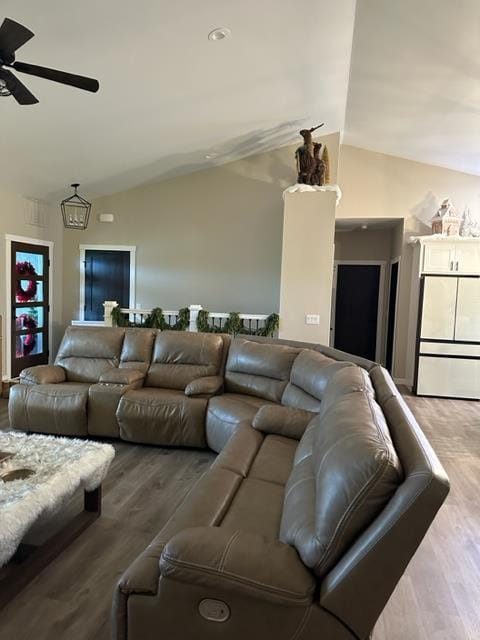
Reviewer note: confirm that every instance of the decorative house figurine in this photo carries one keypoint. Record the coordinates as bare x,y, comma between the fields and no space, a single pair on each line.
446,221
470,226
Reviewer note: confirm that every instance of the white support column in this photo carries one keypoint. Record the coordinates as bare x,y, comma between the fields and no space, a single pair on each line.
194,309
109,306
307,264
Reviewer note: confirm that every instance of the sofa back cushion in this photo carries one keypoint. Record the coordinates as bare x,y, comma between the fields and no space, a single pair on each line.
181,357
309,377
333,494
87,352
257,369
137,349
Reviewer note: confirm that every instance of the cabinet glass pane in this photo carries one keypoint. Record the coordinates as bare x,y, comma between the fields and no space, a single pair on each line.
29,291
31,318
29,264
29,345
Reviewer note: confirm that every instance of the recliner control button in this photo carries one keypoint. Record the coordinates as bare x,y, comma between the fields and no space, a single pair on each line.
214,610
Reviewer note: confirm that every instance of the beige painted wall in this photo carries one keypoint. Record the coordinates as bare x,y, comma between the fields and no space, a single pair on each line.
307,265
371,244
12,222
212,238
375,185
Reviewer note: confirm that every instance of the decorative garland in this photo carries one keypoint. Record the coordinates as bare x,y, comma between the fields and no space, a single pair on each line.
25,348
235,326
26,321
26,269
154,320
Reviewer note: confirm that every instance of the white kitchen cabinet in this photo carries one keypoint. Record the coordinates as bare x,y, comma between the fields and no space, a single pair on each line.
450,256
467,321
438,257
467,257
439,303
449,377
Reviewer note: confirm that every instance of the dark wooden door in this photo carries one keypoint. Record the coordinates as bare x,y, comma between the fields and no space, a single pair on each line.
30,307
392,304
107,277
356,309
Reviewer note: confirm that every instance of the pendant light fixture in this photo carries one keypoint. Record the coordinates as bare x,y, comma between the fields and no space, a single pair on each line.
75,210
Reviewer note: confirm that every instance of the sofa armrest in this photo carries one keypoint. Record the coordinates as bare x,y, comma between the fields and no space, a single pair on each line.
220,559
208,385
43,374
283,421
122,376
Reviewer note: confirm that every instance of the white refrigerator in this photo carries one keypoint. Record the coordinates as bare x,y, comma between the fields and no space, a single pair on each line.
448,337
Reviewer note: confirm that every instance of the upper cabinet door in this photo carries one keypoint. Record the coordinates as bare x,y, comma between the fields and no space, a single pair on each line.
438,257
467,257
467,325
438,314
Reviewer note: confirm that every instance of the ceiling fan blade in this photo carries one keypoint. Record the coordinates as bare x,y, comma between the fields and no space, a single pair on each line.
13,35
88,84
18,90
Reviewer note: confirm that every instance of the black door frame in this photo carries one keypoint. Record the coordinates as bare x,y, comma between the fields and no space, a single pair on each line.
380,343
396,260
9,239
106,247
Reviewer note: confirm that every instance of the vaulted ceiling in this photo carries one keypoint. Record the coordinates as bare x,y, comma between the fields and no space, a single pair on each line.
169,97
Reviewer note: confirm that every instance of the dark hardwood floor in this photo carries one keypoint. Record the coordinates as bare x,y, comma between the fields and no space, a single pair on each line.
437,599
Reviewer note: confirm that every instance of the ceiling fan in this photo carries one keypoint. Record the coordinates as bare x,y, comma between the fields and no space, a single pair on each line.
13,36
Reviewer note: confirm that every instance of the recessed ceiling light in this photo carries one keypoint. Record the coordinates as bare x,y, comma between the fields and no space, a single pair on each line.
221,33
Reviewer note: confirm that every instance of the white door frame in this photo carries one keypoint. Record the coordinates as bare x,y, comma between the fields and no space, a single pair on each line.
9,238
379,350
395,260
106,247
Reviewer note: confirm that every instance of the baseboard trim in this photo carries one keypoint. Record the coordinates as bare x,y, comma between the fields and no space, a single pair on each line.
404,382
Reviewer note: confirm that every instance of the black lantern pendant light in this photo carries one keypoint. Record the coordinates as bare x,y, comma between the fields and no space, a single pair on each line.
75,210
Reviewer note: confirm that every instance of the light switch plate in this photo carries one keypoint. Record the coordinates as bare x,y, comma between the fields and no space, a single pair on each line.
312,318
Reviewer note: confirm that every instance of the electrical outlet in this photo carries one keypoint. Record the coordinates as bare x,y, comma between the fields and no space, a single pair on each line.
312,318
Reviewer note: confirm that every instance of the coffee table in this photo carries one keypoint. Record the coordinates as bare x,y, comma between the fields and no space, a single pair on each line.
58,467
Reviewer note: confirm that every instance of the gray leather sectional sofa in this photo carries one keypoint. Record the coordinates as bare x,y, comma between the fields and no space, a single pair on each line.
323,488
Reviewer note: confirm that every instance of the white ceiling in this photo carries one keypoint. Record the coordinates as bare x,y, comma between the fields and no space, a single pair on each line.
169,96
415,81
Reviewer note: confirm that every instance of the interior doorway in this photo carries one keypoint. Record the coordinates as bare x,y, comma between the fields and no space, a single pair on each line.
358,308
106,273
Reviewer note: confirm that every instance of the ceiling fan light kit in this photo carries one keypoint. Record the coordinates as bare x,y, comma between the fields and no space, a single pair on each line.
13,36
75,211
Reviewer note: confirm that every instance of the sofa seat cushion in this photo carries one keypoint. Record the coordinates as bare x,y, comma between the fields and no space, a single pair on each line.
162,417
59,409
256,508
225,413
333,494
274,459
